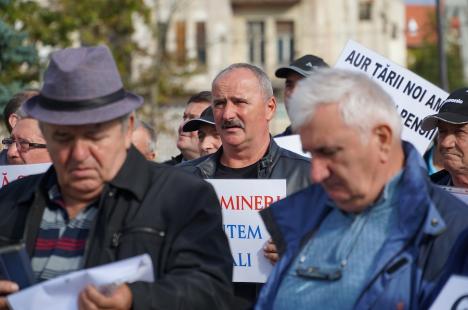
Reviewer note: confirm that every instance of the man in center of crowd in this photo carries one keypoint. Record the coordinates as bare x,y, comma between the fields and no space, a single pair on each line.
243,106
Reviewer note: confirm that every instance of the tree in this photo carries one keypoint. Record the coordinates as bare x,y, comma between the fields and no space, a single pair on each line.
424,59
18,57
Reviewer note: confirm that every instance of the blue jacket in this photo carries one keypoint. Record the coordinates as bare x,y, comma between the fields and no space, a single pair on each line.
412,262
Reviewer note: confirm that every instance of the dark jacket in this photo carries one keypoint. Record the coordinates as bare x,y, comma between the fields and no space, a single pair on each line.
413,261
3,157
278,163
442,177
286,132
174,160
147,208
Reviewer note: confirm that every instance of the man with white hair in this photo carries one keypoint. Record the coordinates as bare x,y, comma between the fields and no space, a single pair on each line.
372,231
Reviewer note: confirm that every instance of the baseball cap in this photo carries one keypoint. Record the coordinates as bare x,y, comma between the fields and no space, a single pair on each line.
206,117
304,66
454,110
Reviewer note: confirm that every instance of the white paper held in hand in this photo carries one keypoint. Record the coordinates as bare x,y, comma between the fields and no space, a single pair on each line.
62,292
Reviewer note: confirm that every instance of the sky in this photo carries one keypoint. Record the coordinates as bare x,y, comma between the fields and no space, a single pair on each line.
420,1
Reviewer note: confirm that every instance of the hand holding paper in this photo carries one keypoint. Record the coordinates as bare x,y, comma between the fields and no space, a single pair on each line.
62,292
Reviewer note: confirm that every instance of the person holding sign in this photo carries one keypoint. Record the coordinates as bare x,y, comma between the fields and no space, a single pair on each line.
296,71
452,123
243,105
102,201
372,231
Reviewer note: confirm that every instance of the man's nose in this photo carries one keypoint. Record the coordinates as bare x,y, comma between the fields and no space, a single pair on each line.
446,140
319,170
80,150
13,150
229,111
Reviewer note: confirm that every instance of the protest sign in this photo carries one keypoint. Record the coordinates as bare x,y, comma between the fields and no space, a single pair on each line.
454,295
240,202
414,97
291,143
15,172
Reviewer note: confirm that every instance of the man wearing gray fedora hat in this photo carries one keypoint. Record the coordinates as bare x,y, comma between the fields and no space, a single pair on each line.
101,201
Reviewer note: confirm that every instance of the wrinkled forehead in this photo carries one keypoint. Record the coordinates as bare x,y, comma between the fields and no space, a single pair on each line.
239,78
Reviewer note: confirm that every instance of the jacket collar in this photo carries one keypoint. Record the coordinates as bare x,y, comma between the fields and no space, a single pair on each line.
209,164
134,174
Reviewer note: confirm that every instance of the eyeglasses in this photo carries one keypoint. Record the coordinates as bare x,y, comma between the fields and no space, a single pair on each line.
22,145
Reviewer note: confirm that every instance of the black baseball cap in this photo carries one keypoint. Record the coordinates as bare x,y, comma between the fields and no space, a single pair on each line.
454,110
304,66
206,117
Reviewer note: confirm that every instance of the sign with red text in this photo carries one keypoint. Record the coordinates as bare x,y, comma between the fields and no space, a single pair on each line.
240,202
15,172
414,97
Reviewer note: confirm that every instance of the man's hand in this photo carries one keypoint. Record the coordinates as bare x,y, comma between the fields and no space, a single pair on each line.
270,252
90,299
6,288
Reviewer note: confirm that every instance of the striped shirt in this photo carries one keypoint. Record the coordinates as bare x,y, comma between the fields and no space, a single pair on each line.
61,241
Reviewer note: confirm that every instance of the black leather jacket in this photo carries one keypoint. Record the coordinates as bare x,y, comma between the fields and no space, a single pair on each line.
278,163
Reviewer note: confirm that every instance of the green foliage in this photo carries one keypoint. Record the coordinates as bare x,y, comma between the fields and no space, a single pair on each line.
426,64
18,57
424,60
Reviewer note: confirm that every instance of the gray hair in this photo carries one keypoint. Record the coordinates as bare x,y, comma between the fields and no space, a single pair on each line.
362,102
151,132
261,76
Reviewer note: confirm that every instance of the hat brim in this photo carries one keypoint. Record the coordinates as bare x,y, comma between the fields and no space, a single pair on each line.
430,122
82,117
284,71
195,124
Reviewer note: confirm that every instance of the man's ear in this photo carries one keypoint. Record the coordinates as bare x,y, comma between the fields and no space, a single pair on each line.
270,108
383,134
130,128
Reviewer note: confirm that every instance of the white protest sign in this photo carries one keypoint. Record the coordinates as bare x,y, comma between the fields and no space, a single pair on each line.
460,193
454,295
15,172
292,143
240,202
415,97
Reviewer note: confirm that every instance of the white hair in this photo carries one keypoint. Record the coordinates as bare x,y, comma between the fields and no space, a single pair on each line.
361,101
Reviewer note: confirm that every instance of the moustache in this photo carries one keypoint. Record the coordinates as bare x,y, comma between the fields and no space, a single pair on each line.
233,123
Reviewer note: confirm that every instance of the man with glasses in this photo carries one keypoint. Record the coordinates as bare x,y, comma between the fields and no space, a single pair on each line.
372,232
11,115
26,144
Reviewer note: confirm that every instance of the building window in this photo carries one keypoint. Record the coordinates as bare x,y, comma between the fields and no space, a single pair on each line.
256,42
181,48
201,43
285,42
365,9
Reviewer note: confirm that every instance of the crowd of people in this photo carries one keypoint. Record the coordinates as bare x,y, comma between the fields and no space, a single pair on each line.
363,225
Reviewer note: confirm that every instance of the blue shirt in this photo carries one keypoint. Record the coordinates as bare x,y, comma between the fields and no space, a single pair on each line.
334,265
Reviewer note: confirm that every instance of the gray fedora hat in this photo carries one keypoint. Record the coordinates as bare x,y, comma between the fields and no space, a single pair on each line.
81,86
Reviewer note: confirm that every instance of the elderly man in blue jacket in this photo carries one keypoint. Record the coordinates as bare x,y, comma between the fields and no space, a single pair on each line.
372,231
